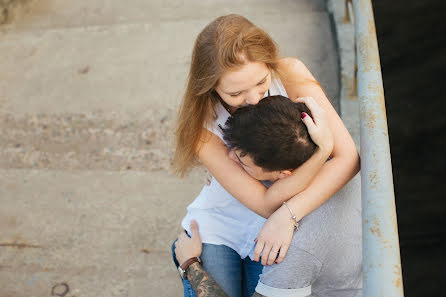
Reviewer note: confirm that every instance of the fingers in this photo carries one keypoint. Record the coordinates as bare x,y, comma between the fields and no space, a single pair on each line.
182,234
258,250
181,237
283,251
315,109
194,229
273,255
308,121
266,252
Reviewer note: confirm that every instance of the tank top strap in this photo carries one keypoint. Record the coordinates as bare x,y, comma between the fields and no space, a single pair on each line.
277,87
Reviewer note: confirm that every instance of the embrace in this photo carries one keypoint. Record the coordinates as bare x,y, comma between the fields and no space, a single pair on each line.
281,215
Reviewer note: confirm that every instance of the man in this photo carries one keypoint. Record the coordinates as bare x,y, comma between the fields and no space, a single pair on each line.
324,258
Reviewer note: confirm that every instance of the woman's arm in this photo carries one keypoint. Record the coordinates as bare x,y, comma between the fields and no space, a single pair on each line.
344,162
343,166
215,156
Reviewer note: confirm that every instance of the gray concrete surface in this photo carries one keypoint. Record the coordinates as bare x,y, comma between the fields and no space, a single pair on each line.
104,233
88,93
343,22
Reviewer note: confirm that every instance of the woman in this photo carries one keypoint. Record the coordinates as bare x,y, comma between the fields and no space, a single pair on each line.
234,63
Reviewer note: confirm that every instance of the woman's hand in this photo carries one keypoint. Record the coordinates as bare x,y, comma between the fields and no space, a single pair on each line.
275,237
318,126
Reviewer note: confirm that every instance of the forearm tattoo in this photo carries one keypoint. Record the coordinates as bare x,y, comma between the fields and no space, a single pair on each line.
204,285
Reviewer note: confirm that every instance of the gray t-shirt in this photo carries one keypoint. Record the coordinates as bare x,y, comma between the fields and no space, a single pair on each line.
326,252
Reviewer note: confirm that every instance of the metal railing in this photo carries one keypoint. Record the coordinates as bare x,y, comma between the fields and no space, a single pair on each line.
381,253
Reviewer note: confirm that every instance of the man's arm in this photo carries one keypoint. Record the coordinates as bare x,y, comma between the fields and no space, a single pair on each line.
188,247
204,285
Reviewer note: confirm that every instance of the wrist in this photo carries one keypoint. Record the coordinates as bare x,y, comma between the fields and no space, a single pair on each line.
183,268
285,216
325,150
292,217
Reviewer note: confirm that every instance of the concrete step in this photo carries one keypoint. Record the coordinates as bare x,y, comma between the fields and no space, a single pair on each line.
91,141
88,93
134,67
65,13
102,233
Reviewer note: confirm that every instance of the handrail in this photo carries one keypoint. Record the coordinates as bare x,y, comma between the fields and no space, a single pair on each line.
381,253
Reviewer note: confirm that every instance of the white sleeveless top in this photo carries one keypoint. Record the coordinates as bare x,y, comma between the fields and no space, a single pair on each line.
221,218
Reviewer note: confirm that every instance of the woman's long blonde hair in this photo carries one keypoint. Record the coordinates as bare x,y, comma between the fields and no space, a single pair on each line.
226,43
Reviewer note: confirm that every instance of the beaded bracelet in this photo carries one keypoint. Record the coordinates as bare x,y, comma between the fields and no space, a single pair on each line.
293,217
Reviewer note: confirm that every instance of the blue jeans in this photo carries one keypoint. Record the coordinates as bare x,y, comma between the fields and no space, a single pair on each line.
236,276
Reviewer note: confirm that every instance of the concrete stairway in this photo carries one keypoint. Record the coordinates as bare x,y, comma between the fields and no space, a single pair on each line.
88,93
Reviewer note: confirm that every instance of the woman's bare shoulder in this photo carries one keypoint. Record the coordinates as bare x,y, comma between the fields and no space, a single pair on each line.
297,79
294,67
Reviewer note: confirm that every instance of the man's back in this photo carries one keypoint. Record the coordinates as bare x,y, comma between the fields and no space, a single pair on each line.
326,252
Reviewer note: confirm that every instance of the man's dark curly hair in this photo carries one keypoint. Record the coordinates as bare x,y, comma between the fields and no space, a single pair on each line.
272,133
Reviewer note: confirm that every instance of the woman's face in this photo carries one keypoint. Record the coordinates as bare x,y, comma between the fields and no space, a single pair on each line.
245,85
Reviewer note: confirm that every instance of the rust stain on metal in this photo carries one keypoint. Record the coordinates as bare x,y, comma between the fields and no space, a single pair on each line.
369,118
369,61
372,41
20,245
378,91
368,46
373,179
397,271
374,157
376,231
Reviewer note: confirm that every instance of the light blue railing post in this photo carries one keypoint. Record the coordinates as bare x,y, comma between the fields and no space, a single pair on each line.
381,253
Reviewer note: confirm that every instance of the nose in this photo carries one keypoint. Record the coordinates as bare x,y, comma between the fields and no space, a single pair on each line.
253,98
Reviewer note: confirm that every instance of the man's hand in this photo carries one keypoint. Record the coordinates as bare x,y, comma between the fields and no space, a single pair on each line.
202,283
185,247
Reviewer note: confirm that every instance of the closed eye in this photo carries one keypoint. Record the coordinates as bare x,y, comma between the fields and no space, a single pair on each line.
261,82
234,95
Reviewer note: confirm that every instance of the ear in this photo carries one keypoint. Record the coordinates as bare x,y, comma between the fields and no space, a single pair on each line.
284,173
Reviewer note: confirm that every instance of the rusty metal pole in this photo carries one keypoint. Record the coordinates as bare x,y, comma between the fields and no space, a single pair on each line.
381,253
